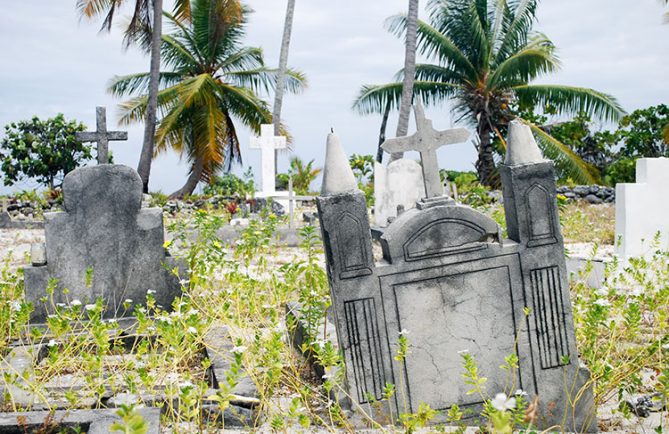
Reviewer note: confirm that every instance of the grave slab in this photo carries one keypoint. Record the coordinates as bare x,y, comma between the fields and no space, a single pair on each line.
400,183
449,284
104,245
642,209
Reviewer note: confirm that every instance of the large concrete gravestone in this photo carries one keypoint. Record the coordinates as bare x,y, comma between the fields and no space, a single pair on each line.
642,209
103,245
450,283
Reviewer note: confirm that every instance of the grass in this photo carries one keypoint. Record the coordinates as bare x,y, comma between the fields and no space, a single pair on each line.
621,332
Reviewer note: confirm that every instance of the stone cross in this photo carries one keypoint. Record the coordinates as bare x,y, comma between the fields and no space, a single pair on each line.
427,140
267,143
102,136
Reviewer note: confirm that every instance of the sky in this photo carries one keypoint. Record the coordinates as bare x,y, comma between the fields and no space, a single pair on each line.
53,62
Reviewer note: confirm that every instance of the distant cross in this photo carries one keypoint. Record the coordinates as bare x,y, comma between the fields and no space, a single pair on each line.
427,140
102,136
267,143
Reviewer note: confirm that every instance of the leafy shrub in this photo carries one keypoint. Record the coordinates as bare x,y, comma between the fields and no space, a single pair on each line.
231,185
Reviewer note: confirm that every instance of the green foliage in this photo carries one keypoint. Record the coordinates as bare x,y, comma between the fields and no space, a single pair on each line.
230,184
132,421
42,150
483,56
303,174
209,79
363,169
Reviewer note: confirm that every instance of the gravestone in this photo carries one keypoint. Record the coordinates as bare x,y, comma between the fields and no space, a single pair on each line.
103,245
400,183
642,209
450,283
268,143
101,136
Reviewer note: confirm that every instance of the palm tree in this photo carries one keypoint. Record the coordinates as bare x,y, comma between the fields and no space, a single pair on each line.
145,29
281,76
212,79
303,174
486,55
408,79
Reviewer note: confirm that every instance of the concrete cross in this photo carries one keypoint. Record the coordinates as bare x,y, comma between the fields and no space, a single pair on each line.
427,140
267,143
101,136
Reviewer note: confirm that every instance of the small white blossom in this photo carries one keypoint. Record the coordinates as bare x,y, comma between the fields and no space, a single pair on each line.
185,384
61,304
141,310
502,403
128,301
636,292
603,291
75,302
89,307
192,330
403,332
150,292
112,321
51,316
192,312
52,343
239,349
465,351
183,282
520,392
16,306
602,302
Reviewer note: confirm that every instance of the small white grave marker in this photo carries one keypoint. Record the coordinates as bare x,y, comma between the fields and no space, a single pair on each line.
267,143
642,209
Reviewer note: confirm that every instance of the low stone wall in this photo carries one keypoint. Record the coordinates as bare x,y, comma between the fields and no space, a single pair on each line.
593,194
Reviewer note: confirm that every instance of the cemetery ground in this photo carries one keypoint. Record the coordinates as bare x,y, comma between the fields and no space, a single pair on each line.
240,292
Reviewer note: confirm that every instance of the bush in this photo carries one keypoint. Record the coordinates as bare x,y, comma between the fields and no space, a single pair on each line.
42,150
231,185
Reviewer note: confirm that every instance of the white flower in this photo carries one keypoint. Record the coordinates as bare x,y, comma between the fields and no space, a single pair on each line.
89,307
185,384
75,302
602,302
61,304
465,351
192,330
520,392
51,316
141,310
239,349
52,343
404,332
128,301
636,292
502,403
112,321
16,306
602,291
150,291
183,282
192,312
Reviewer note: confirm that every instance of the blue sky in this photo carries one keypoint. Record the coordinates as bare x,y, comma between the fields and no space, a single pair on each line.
52,62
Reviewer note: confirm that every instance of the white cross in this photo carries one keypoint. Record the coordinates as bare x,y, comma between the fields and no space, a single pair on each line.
427,140
267,143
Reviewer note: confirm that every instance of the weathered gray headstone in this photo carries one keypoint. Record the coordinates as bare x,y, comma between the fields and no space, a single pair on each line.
427,140
101,136
400,183
449,283
104,244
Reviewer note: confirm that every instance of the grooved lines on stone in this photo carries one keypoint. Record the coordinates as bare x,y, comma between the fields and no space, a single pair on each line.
549,316
365,348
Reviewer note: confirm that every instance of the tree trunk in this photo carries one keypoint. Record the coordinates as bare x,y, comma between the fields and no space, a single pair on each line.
281,75
409,74
485,164
192,181
144,166
382,132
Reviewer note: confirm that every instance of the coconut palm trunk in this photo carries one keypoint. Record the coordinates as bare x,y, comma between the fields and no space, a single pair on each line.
382,132
281,76
409,74
144,166
485,164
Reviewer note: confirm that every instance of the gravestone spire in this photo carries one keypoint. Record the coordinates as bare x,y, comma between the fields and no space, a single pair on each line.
102,136
427,140
337,174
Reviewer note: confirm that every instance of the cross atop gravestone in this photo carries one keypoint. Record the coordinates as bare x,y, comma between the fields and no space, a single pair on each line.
102,136
427,140
267,143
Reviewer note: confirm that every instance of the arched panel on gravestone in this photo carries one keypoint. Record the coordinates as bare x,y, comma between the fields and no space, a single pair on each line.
353,255
542,219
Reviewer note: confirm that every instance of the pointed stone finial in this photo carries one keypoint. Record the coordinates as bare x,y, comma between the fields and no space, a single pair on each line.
337,174
521,148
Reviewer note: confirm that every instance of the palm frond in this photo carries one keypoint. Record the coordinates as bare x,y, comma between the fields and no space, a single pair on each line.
524,66
373,99
570,100
120,86
566,161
